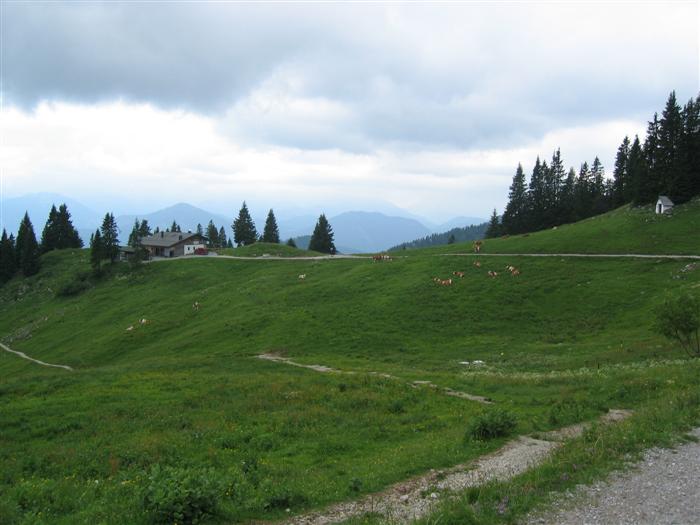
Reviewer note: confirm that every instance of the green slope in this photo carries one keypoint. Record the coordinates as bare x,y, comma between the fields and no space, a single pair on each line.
562,342
624,230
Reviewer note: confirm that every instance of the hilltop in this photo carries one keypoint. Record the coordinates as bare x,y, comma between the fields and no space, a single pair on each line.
624,230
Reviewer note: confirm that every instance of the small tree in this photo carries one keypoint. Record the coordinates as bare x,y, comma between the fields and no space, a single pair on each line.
451,239
223,242
244,232
212,235
96,252
291,242
271,232
110,240
494,229
679,318
8,263
322,238
175,227
49,237
27,248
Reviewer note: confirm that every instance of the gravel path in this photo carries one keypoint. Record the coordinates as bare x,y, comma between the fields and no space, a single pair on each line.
416,497
25,356
593,255
663,488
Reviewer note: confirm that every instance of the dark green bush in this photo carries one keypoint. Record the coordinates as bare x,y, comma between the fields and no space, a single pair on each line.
175,495
74,286
492,424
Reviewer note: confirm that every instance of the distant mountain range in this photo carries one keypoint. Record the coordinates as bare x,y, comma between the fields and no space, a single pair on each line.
355,231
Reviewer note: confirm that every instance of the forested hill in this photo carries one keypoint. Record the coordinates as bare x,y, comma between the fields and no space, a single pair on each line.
467,233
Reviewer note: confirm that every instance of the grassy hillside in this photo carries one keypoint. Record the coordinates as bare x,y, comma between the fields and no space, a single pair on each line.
184,397
625,230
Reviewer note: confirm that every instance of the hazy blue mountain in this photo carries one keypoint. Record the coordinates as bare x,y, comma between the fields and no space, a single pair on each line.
458,222
186,215
38,206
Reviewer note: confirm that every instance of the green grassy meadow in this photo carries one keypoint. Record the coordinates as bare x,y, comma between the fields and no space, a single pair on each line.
184,397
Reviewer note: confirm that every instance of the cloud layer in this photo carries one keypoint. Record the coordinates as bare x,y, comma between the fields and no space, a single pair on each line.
410,102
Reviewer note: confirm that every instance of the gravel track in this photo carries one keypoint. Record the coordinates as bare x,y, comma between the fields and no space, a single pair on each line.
25,356
416,497
663,488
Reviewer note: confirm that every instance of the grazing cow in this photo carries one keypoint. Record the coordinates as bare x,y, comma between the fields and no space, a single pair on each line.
477,264
458,274
143,321
492,274
302,276
515,272
130,328
446,282
477,246
195,306
381,257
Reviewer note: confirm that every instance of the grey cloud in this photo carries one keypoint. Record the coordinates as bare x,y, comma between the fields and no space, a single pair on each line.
464,76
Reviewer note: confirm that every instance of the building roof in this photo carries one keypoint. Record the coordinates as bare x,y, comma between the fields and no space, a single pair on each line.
167,239
665,200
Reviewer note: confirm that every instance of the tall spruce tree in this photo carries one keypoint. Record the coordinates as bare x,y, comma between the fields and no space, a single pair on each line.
135,235
27,248
687,183
50,234
110,238
650,184
669,158
535,194
199,230
175,227
600,204
271,232
636,173
68,236
584,192
212,235
8,261
553,179
620,178
567,202
322,237
244,232
515,214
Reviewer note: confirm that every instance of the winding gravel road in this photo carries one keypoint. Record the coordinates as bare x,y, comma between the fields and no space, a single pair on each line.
662,489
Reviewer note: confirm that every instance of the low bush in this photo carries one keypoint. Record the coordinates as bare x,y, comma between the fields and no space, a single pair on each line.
75,286
492,424
175,495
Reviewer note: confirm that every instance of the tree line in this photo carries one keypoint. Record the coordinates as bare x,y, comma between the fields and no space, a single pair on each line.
467,233
667,163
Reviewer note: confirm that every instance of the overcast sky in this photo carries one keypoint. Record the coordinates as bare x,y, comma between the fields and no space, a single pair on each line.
429,107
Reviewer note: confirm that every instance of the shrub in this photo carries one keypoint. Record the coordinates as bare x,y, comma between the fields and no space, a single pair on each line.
679,318
492,424
175,495
75,286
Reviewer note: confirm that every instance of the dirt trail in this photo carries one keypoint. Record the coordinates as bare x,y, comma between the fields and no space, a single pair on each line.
594,255
25,356
414,498
415,384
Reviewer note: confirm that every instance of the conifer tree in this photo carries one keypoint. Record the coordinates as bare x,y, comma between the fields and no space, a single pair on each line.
515,214
109,234
650,184
8,263
322,237
567,201
636,173
669,158
535,194
229,244
223,242
50,234
271,233
584,192
135,235
244,232
144,229
200,230
68,236
212,235
291,243
27,248
553,179
494,228
621,182
686,181
599,194
97,252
